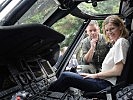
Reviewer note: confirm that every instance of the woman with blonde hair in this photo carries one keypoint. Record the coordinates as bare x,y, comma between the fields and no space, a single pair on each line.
112,66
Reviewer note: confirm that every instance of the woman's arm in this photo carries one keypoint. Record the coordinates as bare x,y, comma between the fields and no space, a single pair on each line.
115,71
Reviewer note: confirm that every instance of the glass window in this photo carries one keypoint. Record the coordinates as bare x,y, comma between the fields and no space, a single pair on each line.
68,26
39,12
6,7
2,1
103,7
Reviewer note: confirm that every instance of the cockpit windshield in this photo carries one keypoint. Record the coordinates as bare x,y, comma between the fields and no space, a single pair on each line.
4,3
39,12
42,9
99,8
6,6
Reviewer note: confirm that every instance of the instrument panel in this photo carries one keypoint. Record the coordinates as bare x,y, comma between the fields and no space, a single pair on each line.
28,76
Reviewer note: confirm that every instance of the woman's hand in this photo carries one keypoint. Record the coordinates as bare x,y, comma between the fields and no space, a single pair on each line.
83,74
86,75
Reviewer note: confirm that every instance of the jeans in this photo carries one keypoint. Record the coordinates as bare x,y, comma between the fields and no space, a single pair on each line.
70,79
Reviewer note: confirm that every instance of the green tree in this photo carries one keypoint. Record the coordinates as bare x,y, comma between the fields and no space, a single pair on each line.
68,26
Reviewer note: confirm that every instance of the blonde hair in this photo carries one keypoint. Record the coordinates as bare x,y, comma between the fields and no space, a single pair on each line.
117,21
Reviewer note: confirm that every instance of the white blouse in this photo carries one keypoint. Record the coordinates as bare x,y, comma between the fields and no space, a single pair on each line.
116,54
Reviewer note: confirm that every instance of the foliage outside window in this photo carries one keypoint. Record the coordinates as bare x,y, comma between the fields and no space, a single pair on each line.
38,13
68,26
104,7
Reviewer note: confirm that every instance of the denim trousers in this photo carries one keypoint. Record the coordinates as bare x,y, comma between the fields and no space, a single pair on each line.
70,79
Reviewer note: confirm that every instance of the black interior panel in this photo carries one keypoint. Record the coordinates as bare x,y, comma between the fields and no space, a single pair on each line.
27,39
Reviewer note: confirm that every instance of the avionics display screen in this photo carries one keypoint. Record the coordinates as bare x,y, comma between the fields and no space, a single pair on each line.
47,67
35,68
6,79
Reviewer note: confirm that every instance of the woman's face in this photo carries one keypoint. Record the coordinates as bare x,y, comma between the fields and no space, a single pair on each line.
93,31
112,32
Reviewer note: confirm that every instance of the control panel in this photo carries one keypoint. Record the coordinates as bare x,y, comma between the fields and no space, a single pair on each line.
25,78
